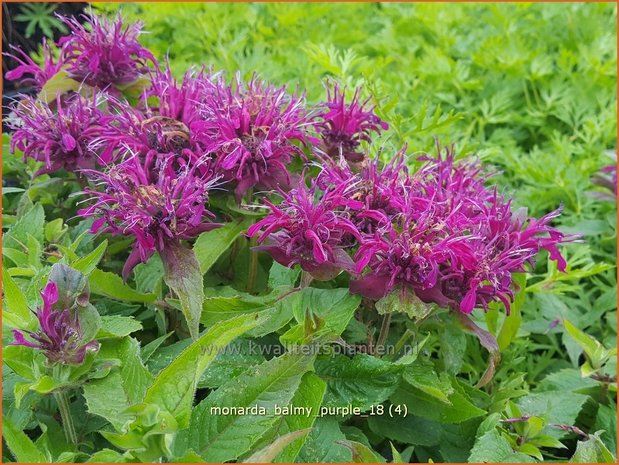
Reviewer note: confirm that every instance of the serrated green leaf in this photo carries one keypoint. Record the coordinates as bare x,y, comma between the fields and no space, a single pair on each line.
118,326
175,385
220,437
361,381
20,445
267,454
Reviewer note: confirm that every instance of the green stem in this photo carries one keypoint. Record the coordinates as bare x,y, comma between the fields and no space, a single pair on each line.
384,330
253,266
65,413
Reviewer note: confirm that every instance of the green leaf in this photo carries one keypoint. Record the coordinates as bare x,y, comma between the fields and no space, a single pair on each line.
592,450
20,445
419,403
239,356
182,274
511,324
111,285
16,313
118,326
309,397
554,407
267,454
423,376
322,444
399,301
176,384
219,436
334,307
361,453
491,447
59,83
361,381
210,245
595,351
407,430
107,456
109,397
32,222
88,263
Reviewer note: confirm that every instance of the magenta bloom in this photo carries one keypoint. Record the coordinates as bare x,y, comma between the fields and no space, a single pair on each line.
108,54
59,337
58,137
129,132
311,233
254,131
343,126
456,243
158,200
382,188
167,97
39,75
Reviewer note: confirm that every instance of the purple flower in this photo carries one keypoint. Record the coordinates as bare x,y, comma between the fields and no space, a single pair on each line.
107,54
343,126
27,66
455,243
159,200
382,188
254,132
128,132
59,336
59,137
167,97
607,178
309,232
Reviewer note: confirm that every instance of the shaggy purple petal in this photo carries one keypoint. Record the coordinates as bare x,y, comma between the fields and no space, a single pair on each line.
37,75
254,131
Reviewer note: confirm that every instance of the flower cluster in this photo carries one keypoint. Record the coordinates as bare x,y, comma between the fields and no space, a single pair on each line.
437,232
59,336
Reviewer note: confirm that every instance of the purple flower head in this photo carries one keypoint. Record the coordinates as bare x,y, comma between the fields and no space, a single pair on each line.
58,137
455,243
343,126
310,230
128,131
107,54
383,188
59,336
39,74
167,97
158,200
253,130
404,254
